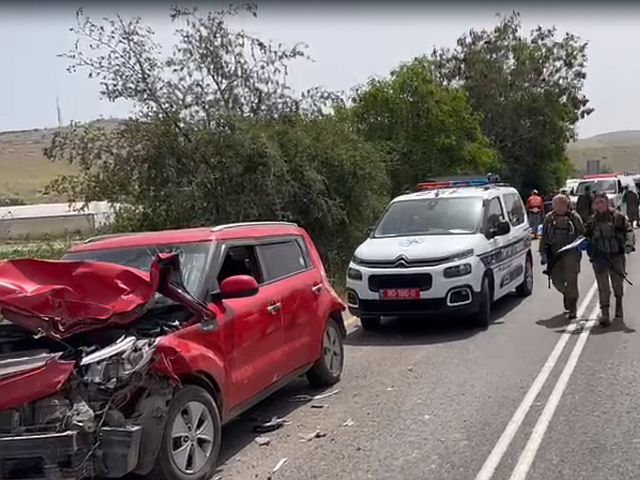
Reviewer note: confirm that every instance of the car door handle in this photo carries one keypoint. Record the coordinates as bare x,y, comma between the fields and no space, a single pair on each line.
317,289
274,309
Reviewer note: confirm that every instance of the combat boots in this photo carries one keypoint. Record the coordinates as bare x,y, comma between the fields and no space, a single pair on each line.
619,310
605,321
572,312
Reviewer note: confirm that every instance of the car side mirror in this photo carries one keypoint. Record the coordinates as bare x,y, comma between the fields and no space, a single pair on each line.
369,231
238,286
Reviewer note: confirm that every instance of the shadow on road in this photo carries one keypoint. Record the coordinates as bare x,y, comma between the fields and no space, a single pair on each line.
558,322
617,325
429,330
239,434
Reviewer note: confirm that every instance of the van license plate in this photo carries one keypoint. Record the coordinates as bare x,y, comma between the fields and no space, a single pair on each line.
400,294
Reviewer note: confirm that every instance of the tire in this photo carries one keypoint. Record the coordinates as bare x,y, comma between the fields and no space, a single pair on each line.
370,323
525,289
189,402
482,317
328,368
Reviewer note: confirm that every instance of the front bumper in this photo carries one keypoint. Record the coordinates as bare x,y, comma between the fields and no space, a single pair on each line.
468,302
69,455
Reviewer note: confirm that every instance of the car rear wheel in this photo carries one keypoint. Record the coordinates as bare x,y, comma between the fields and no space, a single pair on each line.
370,323
526,287
482,317
328,368
192,438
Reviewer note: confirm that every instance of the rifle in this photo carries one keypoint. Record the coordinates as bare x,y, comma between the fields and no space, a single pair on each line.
624,275
553,259
551,262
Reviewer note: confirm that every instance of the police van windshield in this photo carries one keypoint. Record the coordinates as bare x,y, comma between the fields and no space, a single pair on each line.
605,185
431,216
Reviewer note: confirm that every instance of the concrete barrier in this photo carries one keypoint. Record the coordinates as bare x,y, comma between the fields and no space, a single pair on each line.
52,226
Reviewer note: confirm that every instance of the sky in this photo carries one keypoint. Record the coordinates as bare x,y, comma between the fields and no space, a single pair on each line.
349,44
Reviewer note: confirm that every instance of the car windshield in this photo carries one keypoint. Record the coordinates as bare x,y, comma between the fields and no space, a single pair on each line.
431,216
607,185
193,258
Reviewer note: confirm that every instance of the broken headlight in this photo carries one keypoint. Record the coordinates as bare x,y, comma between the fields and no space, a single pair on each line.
116,363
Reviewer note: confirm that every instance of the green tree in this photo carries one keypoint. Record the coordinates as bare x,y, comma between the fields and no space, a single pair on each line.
529,90
427,129
218,136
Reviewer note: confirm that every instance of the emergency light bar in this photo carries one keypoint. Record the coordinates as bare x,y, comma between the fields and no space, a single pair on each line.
471,182
599,175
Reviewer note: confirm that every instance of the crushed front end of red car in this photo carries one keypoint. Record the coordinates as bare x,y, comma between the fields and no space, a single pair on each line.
84,389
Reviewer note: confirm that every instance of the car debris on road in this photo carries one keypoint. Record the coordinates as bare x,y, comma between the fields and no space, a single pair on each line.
308,398
274,424
307,437
262,441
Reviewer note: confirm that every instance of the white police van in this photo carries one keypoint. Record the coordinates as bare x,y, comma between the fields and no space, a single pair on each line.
452,246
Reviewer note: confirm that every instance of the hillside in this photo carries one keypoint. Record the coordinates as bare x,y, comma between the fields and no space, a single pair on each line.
619,151
24,171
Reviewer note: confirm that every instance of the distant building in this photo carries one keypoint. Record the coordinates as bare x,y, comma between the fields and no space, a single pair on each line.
593,167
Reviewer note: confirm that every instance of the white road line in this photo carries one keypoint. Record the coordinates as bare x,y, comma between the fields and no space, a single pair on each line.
528,454
494,458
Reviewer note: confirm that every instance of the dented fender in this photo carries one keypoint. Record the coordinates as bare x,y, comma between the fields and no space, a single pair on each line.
34,384
184,354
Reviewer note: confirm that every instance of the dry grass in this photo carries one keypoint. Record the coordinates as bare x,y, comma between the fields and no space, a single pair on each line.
24,171
619,151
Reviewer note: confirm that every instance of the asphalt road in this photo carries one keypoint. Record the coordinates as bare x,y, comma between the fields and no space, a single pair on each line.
440,400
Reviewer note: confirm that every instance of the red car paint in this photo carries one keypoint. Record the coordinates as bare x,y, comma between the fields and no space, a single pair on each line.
34,384
251,347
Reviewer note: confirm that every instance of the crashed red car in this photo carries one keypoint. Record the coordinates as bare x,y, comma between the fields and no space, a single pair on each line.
130,354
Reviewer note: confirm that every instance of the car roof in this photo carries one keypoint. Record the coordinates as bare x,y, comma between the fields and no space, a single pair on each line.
483,191
235,231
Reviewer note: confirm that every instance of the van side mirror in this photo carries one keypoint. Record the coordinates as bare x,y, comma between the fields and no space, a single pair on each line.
502,228
238,286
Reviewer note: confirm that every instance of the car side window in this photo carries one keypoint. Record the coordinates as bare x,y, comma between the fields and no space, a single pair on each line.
282,259
494,214
515,209
240,260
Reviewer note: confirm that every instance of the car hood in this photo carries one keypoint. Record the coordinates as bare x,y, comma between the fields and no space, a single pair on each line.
62,298
416,248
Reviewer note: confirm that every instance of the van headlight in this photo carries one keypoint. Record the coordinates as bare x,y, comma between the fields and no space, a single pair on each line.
354,274
457,271
462,255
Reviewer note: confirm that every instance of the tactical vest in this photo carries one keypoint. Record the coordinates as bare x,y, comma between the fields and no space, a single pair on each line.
560,231
607,238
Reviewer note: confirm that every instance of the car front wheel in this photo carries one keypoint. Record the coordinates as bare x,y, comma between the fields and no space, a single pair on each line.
482,317
328,368
192,438
525,289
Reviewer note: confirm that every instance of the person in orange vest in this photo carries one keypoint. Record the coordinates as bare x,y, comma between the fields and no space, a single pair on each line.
535,207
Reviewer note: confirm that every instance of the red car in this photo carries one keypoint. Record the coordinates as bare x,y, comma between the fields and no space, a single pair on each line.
130,354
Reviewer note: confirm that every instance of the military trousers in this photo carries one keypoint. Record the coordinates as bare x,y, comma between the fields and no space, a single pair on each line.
564,277
609,273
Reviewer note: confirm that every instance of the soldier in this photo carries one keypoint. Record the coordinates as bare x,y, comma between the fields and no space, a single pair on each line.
561,227
610,237
584,204
630,199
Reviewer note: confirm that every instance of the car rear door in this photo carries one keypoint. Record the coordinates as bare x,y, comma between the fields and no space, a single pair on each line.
287,268
520,239
255,337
